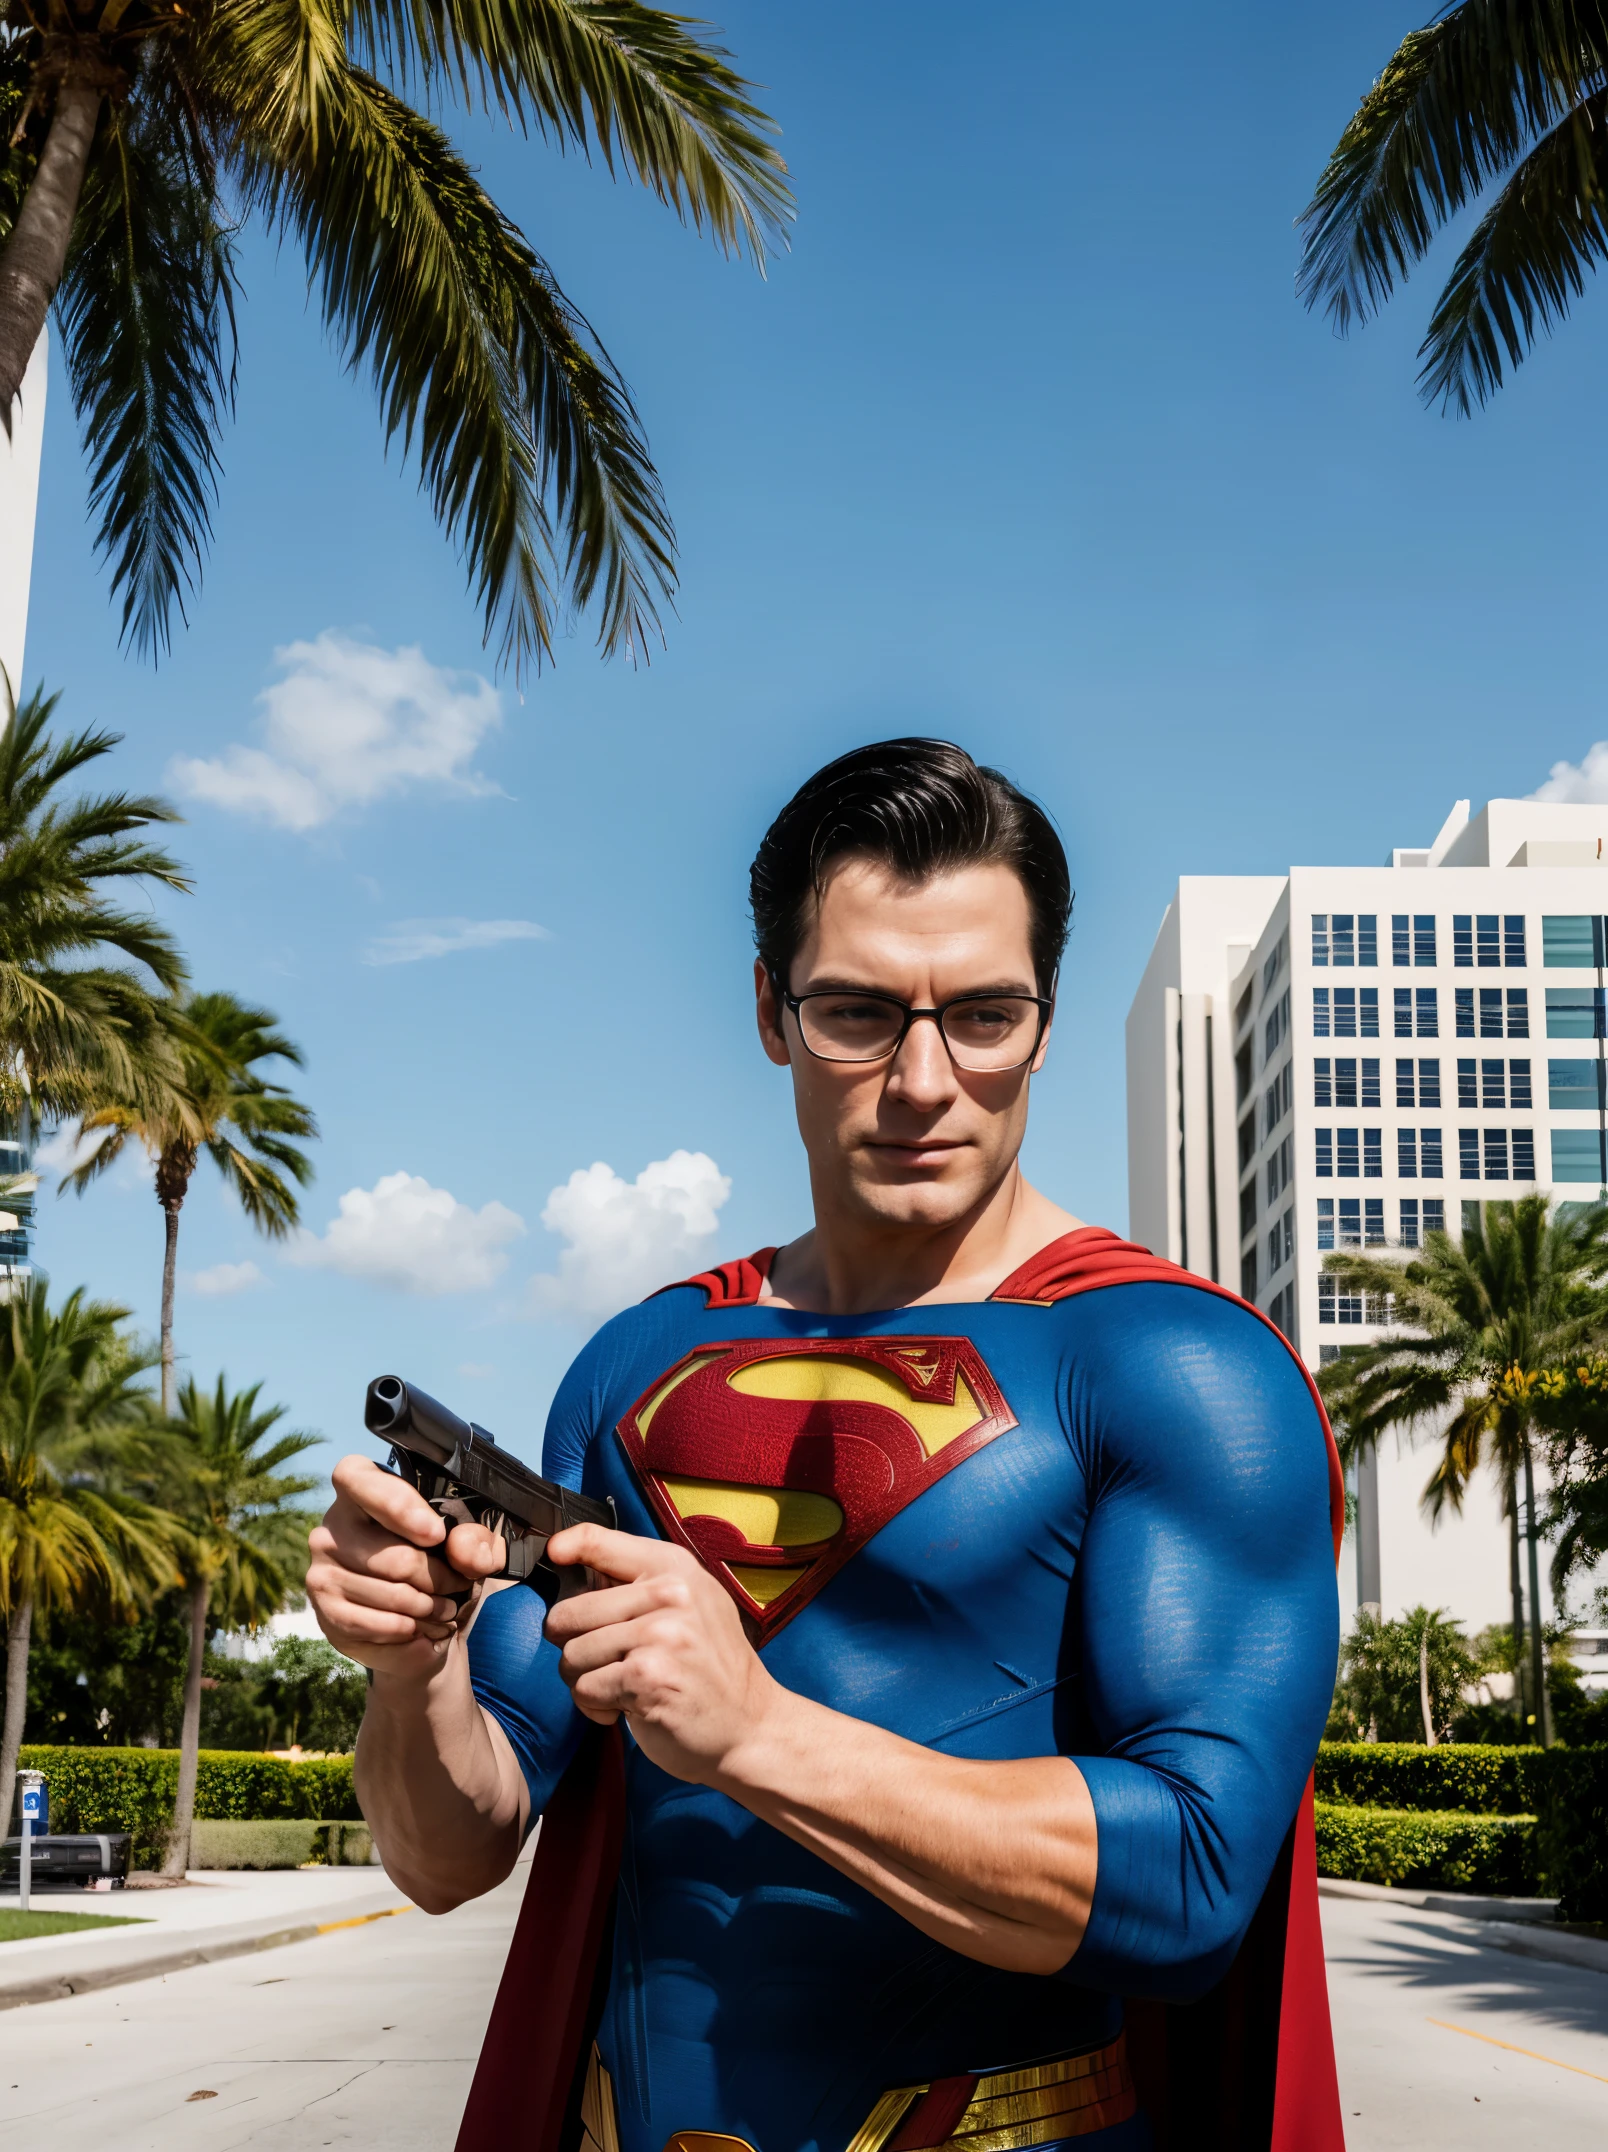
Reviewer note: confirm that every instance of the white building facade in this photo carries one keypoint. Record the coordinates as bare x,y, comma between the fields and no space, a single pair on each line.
1343,1057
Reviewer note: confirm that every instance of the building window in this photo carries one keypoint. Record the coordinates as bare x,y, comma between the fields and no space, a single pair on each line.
1248,1276
1409,1221
1490,1012
1429,1084
1345,1154
1350,1222
1345,1012
1468,1154
1575,1086
1320,940
1338,1305
1279,1167
1572,940
1272,1180
1281,1310
1247,1140
1368,1012
1493,1086
1434,1215
1519,1087
1468,1085
1373,1222
1345,1082
1289,1233
1320,1012
1322,1081
1429,1156
1373,1166
1370,1082
1463,940
1323,1161
1513,938
1325,1222
1419,1003
1518,1012
1368,938
1270,970
1276,1103
1407,1154
1488,941
1275,1255
1496,1154
1577,1155
1342,938
1404,1012
1277,1027
1464,997
1524,1154
1575,1012
1406,1091
1401,948
1248,1209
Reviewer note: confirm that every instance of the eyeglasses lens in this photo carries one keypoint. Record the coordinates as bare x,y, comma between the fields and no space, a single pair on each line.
991,1032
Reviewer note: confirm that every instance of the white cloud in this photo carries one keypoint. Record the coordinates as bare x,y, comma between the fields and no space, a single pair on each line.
410,940
627,1238
1578,784
224,1278
347,725
419,1239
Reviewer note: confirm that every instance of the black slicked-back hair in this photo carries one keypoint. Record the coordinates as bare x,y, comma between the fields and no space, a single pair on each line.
919,808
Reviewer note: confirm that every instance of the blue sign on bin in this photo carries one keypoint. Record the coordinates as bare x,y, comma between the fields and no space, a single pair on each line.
31,1802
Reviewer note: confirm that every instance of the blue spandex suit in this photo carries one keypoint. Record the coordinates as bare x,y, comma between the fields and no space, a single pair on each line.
1097,1528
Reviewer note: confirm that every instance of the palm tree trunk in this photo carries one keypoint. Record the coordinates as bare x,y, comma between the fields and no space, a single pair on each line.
1517,1590
1423,1687
170,1269
1538,1663
178,1847
32,260
18,1631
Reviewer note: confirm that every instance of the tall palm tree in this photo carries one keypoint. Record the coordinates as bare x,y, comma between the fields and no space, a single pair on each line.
72,1533
251,1129
1503,95
78,966
145,130
242,1547
1483,1320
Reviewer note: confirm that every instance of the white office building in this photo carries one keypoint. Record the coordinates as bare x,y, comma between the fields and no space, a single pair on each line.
1341,1057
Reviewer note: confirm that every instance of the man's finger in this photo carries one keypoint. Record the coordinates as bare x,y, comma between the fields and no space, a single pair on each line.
621,1555
389,1500
587,1612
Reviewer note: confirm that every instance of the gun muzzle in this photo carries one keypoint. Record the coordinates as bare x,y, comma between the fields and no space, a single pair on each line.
397,1411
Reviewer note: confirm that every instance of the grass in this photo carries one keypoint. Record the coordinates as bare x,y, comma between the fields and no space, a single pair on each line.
14,1926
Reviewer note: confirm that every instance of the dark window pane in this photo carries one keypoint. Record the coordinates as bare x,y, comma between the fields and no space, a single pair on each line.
1350,1222
1401,950
1518,1005
1346,1158
1488,940
1519,1086
1373,1222
1468,1154
1320,1012
1345,1012
1513,937
1322,1085
1574,1086
1429,1083
1342,938
1409,1221
1320,938
1367,937
1373,1164
1345,1082
1326,1221
1577,1155
1571,939
1465,1011
1370,1083
1434,1215
1463,939
1493,1086
1496,1154
1429,1159
1467,1084
1406,1092
1524,1154
1323,1163
1368,1011
1404,1012
1407,1154
1490,1012
1424,939
1574,1012
1428,1014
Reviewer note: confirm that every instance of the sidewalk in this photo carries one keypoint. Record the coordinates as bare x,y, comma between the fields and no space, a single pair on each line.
1524,1926
217,1913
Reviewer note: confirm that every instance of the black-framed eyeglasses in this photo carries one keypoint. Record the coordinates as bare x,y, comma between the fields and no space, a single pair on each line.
985,1033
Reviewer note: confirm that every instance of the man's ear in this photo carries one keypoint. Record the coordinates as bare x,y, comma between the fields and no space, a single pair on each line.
768,1015
1043,1046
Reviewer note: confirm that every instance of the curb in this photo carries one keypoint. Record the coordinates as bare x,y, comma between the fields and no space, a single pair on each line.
1501,1925
84,1980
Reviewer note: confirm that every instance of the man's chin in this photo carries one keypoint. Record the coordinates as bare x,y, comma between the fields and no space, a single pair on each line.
923,1201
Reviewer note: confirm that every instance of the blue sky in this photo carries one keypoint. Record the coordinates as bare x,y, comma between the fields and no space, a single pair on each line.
1026,442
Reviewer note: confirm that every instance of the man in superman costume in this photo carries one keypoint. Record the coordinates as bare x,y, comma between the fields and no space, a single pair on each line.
934,1769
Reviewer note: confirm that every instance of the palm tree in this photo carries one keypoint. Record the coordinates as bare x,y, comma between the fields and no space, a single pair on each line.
1485,1321
242,1549
251,1129
72,1015
144,131
1505,93
72,1533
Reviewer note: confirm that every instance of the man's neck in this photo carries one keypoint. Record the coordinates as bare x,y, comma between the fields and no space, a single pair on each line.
848,1266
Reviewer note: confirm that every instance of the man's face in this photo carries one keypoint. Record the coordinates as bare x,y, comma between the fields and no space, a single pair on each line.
911,1140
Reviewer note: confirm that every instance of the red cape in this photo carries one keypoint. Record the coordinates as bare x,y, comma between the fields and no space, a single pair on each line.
1248,2068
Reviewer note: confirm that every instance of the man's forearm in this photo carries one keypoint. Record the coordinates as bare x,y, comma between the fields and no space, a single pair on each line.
995,1860
439,1785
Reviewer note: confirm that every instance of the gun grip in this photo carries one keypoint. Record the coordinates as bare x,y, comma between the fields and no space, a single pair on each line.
572,1578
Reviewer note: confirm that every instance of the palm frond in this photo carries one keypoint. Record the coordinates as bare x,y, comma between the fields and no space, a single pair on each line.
1456,104
147,315
528,443
1527,259
641,84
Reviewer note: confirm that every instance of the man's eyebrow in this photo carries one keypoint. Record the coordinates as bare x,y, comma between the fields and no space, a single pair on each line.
831,985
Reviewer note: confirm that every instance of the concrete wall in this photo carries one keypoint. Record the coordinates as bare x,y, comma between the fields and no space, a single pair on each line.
19,490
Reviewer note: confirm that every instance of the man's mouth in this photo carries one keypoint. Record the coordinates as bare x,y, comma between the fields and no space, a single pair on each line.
917,1150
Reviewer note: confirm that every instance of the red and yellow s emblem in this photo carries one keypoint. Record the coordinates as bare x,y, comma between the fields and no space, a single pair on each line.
775,1462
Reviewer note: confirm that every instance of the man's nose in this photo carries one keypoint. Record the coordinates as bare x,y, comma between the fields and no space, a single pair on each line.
921,1072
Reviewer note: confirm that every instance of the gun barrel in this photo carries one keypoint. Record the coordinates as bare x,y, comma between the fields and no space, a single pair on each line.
399,1411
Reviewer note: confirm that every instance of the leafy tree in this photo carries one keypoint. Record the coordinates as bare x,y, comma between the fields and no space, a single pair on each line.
1385,1667
241,1546
251,1129
104,1680
78,963
1484,1321
1505,93
147,131
317,1698
72,1533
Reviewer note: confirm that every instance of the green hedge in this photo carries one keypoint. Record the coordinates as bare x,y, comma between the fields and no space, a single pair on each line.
1573,1834
278,1842
132,1789
1495,1854
1470,1776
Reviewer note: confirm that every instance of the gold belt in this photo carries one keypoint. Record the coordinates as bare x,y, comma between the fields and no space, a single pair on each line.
998,2111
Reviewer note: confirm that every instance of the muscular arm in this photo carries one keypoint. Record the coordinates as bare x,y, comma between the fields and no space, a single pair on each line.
1207,1593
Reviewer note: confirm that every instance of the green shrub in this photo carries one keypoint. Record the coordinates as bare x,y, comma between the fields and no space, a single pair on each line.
1495,1854
278,1843
1482,1780
132,1789
1573,1832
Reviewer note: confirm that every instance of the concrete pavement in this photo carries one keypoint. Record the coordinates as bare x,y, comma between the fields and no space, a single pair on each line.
364,2036
1448,2043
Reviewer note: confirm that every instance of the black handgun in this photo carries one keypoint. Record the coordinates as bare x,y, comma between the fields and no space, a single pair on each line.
467,1479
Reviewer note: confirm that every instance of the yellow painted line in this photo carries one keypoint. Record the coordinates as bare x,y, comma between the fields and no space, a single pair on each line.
361,1920
1551,2060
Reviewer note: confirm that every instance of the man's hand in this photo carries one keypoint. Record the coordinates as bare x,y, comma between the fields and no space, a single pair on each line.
390,1584
664,1646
